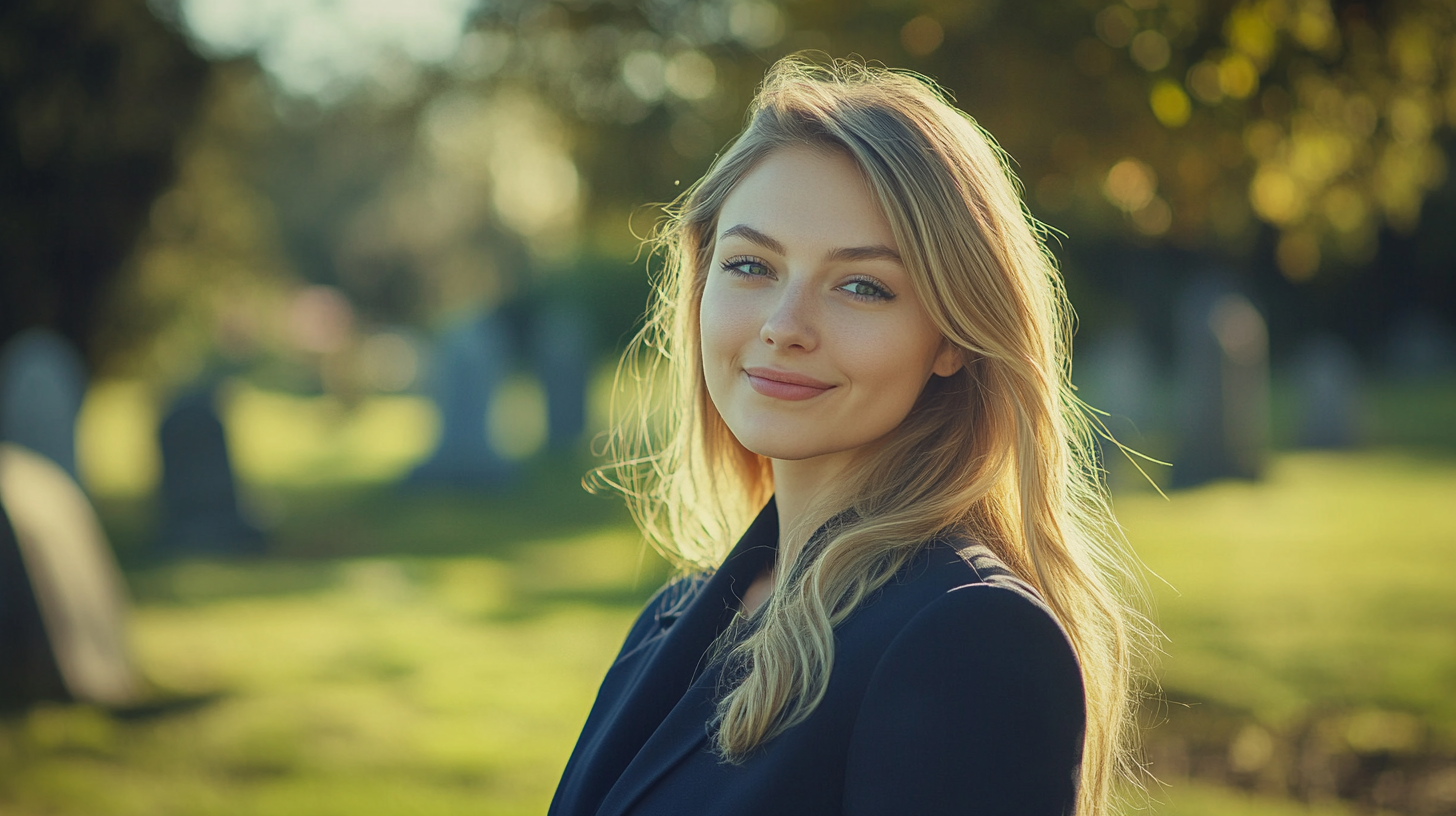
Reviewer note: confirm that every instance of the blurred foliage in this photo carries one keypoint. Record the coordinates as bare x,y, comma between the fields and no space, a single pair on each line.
504,154
94,94
1182,120
209,267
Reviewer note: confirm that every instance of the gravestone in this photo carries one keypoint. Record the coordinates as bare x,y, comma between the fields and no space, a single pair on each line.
199,493
1223,385
469,365
560,344
42,384
1115,375
1420,347
62,599
1328,374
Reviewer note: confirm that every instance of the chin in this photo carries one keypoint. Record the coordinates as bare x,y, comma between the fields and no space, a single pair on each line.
779,445
790,446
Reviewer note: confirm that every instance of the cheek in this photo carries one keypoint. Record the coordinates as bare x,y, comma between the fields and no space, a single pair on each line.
725,323
898,362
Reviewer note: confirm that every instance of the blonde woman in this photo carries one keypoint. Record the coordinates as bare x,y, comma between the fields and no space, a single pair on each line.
860,338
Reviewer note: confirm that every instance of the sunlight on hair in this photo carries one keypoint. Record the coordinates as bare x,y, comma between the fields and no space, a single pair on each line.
1020,476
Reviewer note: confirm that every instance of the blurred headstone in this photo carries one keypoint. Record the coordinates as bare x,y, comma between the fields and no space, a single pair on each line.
469,366
1328,374
560,345
63,609
1114,375
28,670
1223,385
199,492
42,384
1420,347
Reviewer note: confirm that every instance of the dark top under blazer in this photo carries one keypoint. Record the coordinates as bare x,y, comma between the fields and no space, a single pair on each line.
953,690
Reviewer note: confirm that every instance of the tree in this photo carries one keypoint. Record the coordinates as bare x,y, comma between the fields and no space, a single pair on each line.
94,94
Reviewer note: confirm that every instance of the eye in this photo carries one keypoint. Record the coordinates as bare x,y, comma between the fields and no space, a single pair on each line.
866,289
746,267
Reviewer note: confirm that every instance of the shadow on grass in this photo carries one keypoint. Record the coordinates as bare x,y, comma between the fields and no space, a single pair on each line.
1379,760
546,500
545,542
165,704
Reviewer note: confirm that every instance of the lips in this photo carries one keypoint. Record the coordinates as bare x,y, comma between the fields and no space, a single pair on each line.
785,385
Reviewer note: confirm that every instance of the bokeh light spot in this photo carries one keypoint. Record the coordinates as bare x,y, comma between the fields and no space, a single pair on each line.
390,361
921,36
1249,31
1150,50
1170,104
756,23
690,75
1154,219
1237,76
1116,25
1130,185
645,75
1203,82
320,320
1276,196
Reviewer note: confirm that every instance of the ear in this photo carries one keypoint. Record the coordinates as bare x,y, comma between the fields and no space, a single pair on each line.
948,360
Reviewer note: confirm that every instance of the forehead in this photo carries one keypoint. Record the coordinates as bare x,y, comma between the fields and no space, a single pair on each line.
810,197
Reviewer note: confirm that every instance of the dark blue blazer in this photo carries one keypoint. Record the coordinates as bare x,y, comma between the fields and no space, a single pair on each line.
953,690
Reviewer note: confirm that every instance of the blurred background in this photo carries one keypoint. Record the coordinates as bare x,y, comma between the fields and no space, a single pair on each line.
309,312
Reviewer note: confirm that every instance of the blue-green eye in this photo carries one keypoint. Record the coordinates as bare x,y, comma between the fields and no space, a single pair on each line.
746,268
863,289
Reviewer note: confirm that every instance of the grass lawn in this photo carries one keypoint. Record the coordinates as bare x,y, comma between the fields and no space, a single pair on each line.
1328,585
436,654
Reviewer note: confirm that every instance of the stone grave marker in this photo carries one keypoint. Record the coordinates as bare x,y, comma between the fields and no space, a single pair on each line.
1420,346
1114,374
1328,374
560,340
1223,385
42,384
469,365
199,492
63,606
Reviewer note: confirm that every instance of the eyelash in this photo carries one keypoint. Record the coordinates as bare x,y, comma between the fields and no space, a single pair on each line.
735,266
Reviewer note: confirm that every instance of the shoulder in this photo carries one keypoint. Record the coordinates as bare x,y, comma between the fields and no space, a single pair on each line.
977,699
967,607
953,580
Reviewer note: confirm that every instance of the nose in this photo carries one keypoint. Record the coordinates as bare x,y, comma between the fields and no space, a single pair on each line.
792,321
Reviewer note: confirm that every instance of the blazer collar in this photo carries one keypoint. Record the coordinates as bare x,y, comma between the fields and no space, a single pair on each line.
672,698
684,728
683,717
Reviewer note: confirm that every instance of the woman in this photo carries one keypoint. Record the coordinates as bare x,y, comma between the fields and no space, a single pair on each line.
863,341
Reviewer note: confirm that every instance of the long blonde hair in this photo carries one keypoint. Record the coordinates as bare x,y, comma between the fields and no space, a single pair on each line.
1000,452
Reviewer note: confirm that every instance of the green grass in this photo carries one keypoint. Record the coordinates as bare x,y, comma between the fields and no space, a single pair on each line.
437,653
350,686
1328,585
1194,799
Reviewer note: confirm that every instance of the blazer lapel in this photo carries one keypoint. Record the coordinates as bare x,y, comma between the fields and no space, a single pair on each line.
672,699
680,734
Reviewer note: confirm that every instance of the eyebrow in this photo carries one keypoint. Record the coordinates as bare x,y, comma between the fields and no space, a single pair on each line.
873,252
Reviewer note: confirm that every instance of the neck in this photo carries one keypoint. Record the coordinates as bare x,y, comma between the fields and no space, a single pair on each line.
798,484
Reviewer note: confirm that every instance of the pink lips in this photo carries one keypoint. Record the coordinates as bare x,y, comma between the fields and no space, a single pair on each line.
784,385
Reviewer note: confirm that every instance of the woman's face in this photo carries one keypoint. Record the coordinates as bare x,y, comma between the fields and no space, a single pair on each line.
814,342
